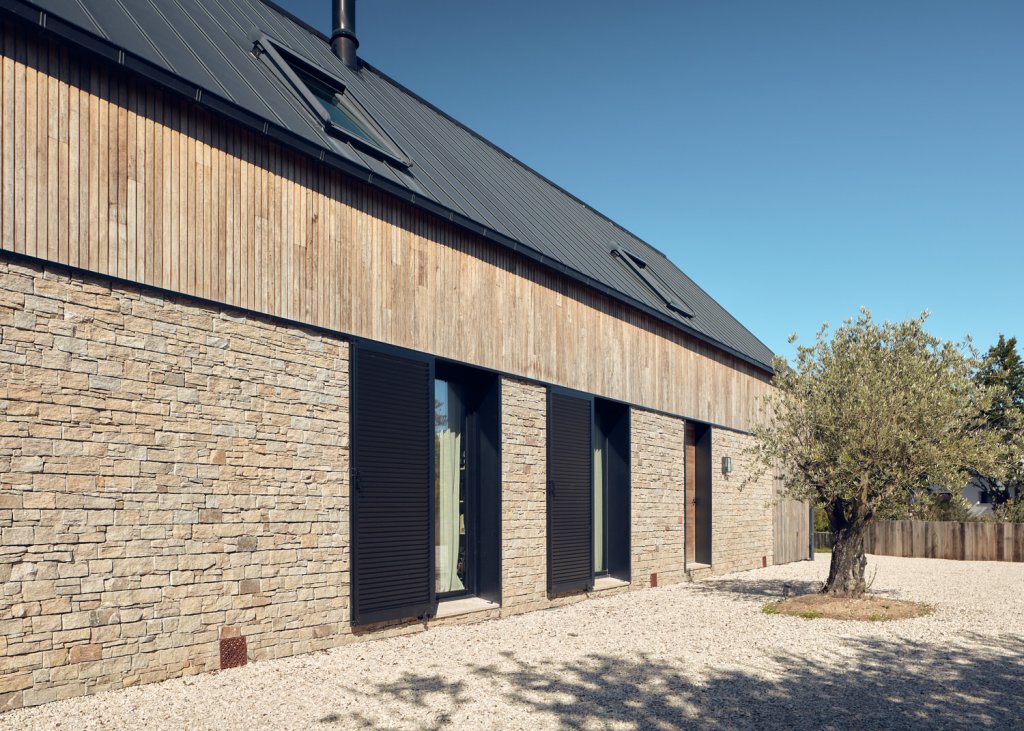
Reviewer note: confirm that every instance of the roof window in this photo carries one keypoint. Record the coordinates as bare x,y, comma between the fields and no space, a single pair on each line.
329,99
639,267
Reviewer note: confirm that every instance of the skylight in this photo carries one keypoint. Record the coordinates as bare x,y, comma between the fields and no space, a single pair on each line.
334,104
639,267
329,99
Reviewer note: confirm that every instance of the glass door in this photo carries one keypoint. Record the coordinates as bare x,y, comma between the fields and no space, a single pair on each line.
452,523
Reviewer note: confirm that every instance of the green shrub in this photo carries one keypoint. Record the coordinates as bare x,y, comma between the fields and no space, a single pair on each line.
1012,511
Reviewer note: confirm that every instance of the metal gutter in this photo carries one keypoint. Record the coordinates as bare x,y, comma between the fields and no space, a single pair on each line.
23,11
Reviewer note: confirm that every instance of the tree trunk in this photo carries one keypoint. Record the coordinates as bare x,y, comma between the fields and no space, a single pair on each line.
846,573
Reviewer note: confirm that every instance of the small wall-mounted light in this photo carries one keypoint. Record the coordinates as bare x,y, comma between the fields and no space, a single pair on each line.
726,465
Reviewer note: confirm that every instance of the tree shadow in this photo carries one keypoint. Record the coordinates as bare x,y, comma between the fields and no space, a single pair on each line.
977,681
761,588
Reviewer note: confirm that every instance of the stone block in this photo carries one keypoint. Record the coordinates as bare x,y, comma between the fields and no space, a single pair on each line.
11,701
210,515
10,682
85,653
10,502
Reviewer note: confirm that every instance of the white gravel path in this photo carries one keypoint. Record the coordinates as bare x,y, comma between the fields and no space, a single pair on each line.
692,655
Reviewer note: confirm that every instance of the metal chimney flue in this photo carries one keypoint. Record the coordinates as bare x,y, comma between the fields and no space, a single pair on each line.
343,36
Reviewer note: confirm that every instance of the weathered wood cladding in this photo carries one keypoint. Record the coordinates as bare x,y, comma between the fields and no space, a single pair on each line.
101,172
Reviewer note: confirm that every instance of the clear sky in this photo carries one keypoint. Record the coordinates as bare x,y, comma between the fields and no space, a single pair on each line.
799,160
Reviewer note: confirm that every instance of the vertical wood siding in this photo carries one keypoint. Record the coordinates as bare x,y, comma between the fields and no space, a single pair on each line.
105,173
791,527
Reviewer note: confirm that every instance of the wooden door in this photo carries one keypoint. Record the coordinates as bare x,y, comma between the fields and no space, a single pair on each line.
690,521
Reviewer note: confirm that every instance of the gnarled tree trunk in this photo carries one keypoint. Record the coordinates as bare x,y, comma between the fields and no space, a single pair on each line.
846,573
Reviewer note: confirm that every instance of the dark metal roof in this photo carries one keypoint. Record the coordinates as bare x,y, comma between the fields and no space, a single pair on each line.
203,48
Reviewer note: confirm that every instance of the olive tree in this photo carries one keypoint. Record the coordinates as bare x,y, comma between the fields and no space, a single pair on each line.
868,417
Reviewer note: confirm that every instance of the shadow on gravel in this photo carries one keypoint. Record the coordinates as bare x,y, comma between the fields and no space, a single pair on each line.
881,685
766,588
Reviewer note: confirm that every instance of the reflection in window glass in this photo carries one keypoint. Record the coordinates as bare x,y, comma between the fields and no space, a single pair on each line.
599,510
334,105
450,489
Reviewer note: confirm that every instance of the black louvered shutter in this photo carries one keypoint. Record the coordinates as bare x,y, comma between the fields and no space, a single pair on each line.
570,493
392,487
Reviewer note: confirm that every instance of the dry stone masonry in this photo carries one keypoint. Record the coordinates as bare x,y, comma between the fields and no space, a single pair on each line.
166,470
741,515
174,473
658,482
523,496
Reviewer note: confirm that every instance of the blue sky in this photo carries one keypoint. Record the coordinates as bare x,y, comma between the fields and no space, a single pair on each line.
799,160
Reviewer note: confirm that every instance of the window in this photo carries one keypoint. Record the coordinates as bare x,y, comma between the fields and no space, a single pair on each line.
341,114
600,508
453,522
329,99
588,490
639,267
611,490
426,471
467,549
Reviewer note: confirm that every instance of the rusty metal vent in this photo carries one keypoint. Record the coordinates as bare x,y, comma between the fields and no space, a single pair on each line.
234,653
654,581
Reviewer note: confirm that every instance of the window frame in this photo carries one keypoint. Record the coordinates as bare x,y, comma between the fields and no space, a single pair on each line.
481,395
612,430
469,486
610,425
284,61
601,441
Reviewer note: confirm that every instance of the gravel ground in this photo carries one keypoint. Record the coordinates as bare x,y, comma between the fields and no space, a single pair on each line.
692,655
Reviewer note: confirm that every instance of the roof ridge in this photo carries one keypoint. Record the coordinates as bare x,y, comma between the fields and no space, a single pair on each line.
296,19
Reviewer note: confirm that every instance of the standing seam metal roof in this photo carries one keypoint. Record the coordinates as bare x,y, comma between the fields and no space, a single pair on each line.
208,44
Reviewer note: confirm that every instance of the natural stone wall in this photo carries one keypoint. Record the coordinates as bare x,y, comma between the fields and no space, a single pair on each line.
741,533
172,473
523,496
168,472
658,484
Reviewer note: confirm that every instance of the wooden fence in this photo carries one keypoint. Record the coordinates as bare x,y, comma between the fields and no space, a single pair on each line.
934,539
823,539
792,528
